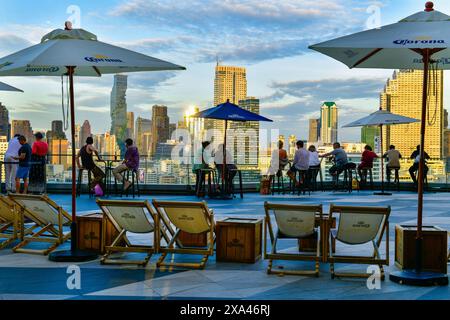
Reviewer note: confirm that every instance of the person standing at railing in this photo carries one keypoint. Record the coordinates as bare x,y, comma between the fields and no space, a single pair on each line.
86,154
11,164
131,162
39,152
23,171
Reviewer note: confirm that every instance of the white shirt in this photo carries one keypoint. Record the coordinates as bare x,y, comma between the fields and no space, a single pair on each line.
13,148
314,160
218,156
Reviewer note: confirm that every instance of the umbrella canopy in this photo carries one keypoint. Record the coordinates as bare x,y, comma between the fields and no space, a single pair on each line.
394,46
231,112
381,117
7,87
62,48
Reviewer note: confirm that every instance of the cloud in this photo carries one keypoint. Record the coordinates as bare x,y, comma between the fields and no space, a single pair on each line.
94,109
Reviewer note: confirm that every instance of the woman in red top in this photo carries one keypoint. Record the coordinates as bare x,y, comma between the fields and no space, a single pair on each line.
366,161
39,151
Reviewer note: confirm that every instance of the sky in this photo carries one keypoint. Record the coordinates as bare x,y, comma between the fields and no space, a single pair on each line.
269,38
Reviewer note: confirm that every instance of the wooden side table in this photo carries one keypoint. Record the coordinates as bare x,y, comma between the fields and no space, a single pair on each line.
239,240
310,244
90,232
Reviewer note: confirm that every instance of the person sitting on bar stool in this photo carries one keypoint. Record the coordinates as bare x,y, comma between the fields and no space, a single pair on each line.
366,164
278,161
340,160
393,156
415,167
300,164
230,170
200,163
86,154
131,162
314,165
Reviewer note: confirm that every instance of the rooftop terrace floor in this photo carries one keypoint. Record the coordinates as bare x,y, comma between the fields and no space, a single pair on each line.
24,276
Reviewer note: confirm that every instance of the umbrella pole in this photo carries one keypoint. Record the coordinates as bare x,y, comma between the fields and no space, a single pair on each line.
382,193
224,162
418,277
73,255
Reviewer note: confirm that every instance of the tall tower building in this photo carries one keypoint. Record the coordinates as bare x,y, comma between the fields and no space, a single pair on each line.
246,137
77,136
22,127
329,123
130,125
314,130
292,146
85,132
403,95
143,127
119,108
368,135
5,127
160,126
230,83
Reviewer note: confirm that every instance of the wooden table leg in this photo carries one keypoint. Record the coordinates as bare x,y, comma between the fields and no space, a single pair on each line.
324,238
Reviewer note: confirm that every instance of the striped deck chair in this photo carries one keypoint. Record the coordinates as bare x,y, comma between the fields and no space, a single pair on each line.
190,217
47,217
129,217
358,226
293,222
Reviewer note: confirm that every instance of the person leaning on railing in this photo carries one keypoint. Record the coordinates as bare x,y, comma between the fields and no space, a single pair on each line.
86,154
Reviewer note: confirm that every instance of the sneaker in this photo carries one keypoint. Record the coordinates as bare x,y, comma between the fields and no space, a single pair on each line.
126,185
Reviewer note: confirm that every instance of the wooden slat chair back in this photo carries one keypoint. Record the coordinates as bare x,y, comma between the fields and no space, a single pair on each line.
48,218
359,226
293,222
9,222
128,217
190,217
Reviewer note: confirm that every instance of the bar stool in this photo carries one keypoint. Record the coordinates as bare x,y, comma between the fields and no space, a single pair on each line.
367,172
202,174
80,182
241,192
313,172
396,177
349,172
278,181
304,185
134,183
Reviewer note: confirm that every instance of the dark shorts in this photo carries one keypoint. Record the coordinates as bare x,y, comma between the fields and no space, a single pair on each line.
22,172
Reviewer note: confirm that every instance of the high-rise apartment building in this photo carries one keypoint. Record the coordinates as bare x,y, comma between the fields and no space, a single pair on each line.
77,136
143,127
292,146
119,119
59,151
85,132
368,135
22,127
403,95
5,127
230,83
130,125
314,130
447,143
329,123
160,126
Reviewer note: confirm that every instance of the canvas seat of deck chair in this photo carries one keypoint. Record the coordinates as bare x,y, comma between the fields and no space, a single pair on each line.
190,217
129,217
48,218
360,226
293,222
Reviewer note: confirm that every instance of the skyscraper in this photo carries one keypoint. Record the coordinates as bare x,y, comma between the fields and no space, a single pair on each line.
403,95
143,127
85,132
160,126
368,135
22,127
119,117
314,130
292,146
57,129
5,128
329,123
130,125
445,119
230,83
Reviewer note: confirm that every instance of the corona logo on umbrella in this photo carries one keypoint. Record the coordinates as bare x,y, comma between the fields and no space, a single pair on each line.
101,58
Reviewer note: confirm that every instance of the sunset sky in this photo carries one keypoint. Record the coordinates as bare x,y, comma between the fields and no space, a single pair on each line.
269,38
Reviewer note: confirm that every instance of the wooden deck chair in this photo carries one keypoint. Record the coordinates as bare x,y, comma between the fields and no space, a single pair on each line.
47,217
357,226
190,217
129,217
9,222
293,222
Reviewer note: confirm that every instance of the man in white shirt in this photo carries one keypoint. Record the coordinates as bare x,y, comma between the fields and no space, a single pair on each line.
301,163
11,164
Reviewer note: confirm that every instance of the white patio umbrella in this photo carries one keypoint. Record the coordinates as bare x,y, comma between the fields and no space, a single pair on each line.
381,118
76,52
419,41
7,87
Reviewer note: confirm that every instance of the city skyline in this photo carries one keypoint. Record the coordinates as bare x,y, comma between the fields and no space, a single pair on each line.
281,72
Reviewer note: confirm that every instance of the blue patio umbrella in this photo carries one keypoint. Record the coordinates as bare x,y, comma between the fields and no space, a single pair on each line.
229,112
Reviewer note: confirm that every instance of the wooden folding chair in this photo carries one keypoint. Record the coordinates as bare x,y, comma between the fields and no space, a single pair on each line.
46,216
293,222
9,222
190,217
358,226
129,217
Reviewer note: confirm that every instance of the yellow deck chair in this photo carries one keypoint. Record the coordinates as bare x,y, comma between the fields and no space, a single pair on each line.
358,226
190,217
9,222
129,217
293,222
47,217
